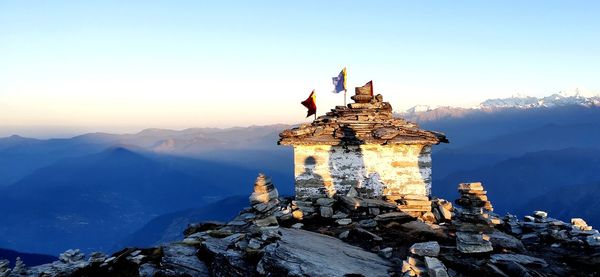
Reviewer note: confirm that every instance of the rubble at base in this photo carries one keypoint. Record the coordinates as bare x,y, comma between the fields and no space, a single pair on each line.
352,236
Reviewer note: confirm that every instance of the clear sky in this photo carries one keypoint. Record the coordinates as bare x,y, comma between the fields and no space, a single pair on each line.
74,66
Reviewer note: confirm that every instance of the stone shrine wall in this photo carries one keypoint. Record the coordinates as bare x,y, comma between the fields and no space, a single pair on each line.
323,170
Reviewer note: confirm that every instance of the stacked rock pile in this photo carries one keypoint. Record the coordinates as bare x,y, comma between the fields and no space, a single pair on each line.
472,220
4,268
374,239
473,195
265,198
69,263
345,209
415,205
423,261
265,207
538,228
358,123
251,239
442,210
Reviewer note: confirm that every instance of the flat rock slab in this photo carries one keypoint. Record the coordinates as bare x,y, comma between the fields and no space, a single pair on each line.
518,258
473,243
378,203
502,240
435,267
394,216
430,248
181,260
304,253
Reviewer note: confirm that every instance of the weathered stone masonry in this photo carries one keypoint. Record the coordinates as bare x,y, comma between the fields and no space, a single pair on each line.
362,146
403,169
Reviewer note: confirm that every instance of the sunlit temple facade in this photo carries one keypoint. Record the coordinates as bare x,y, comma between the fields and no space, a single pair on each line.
361,146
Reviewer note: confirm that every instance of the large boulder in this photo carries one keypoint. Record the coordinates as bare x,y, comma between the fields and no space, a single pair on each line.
304,253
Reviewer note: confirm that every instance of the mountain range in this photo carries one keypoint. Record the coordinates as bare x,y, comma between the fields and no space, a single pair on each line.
571,97
93,190
96,189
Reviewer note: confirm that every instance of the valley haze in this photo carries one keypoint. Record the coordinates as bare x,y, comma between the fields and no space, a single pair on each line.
141,138
97,178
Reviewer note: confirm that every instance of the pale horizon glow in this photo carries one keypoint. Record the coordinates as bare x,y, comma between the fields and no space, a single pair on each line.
69,67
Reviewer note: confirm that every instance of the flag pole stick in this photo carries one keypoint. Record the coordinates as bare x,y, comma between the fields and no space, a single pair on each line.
344,97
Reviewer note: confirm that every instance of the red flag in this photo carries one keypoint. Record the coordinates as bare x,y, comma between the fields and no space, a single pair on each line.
311,104
366,89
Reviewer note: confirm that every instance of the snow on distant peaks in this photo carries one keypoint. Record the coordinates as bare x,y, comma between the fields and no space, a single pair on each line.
576,96
419,108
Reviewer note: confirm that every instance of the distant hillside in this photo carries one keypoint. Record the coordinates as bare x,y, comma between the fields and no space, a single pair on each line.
501,147
482,125
582,200
88,201
13,140
28,258
72,193
169,227
516,181
21,156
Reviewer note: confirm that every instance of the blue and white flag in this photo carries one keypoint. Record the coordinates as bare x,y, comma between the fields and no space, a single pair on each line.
339,82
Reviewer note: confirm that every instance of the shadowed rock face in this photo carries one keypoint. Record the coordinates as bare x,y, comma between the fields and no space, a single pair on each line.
304,253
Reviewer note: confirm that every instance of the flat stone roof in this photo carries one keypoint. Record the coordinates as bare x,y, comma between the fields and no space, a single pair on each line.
360,123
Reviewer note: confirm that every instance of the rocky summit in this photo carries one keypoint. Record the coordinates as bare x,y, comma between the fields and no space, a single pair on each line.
349,235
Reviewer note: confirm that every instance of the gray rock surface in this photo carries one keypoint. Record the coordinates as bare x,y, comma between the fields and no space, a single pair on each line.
344,221
393,216
69,262
473,243
303,253
435,267
181,260
4,269
518,258
325,202
430,248
505,241
326,211
386,252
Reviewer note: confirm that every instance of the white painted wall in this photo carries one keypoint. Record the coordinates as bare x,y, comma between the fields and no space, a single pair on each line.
323,170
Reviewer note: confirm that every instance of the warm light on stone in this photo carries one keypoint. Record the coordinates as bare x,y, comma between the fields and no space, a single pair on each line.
362,146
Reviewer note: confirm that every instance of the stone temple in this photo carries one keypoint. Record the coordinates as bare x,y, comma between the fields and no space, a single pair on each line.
362,149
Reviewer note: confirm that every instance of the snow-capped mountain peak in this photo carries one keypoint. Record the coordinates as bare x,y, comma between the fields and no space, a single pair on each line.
571,97
419,108
562,98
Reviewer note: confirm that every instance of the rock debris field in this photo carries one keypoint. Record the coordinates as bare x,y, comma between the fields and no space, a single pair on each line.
349,235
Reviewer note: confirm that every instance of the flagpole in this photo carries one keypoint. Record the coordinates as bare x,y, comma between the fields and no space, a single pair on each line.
344,97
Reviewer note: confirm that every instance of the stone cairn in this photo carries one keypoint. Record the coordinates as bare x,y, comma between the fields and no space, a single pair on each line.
472,219
423,261
20,269
415,205
265,201
442,210
350,217
538,229
4,268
